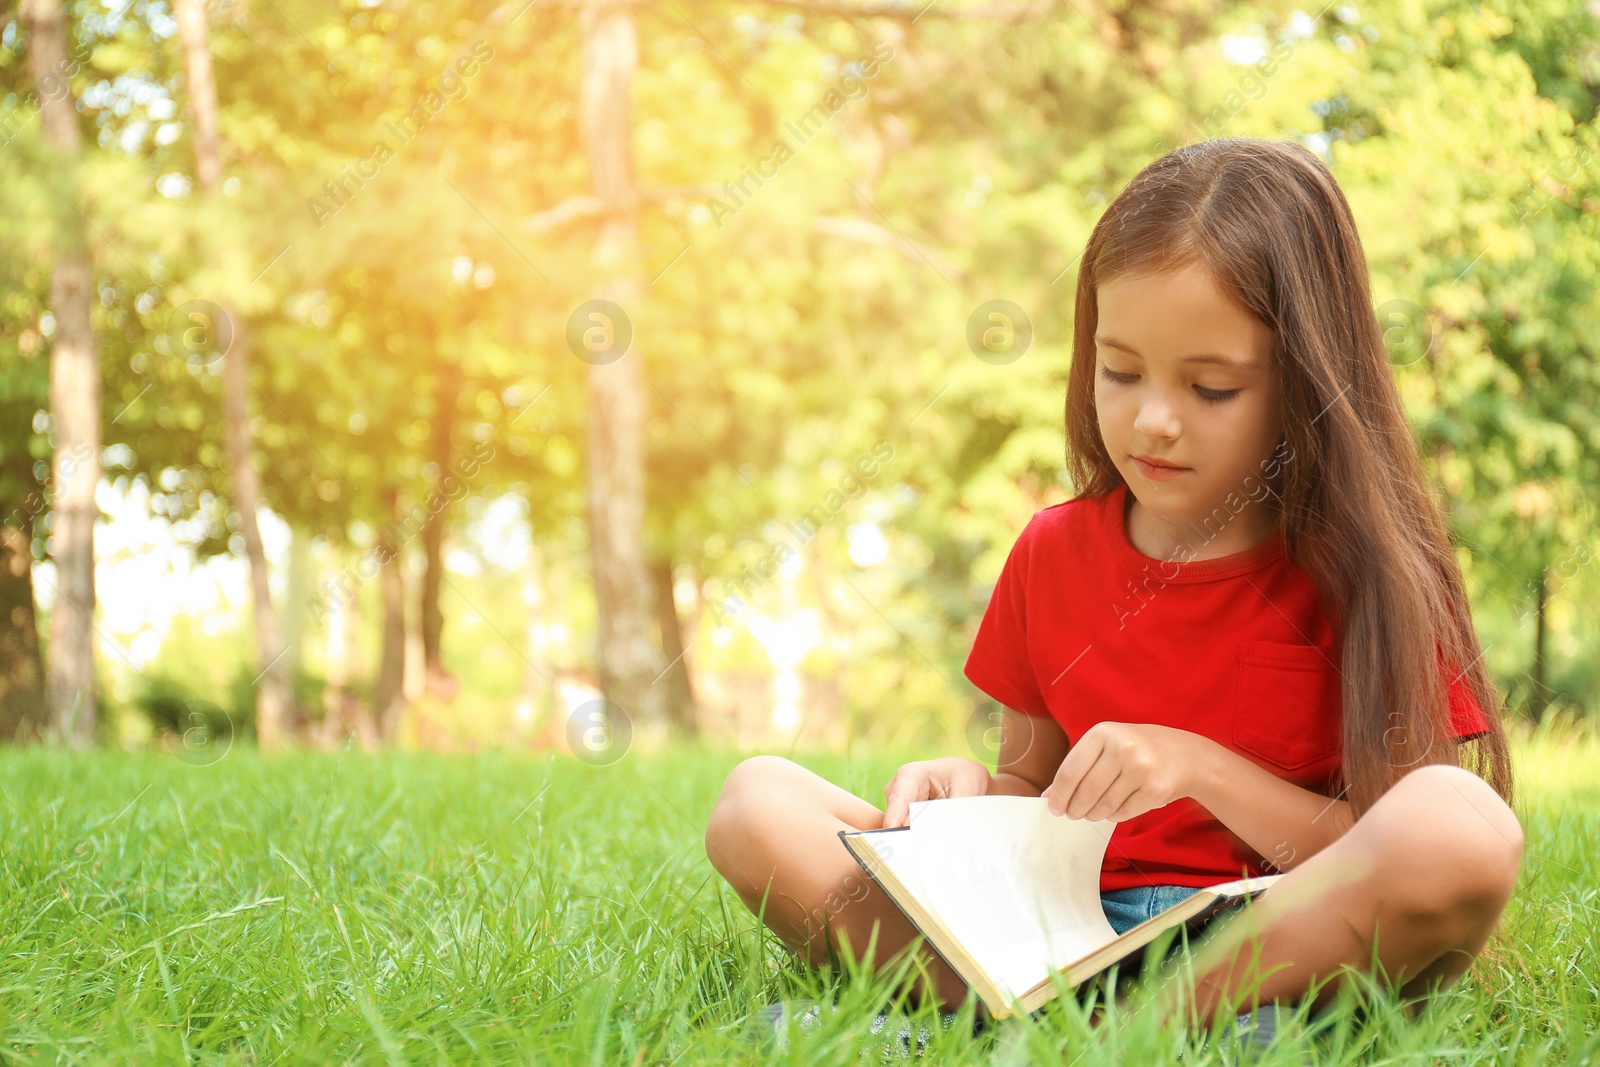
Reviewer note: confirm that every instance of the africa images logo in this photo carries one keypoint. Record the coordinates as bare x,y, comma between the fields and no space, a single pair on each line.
851,88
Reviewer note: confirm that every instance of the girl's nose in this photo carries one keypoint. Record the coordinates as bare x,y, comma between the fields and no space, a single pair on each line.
1157,418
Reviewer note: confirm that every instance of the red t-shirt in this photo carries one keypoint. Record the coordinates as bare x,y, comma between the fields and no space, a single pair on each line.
1083,627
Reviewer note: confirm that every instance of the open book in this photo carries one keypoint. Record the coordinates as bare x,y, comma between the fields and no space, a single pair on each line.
1009,894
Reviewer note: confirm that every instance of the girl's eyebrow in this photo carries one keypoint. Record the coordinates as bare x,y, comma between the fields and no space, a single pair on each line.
1199,357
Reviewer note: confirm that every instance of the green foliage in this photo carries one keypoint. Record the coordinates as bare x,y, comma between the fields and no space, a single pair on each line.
794,322
174,709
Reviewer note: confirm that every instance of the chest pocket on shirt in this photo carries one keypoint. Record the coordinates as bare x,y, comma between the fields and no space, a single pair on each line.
1287,710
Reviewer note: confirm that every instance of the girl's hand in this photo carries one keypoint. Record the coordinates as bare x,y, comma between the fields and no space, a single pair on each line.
936,779
1117,770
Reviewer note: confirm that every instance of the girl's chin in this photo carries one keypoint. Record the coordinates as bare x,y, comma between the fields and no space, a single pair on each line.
1172,501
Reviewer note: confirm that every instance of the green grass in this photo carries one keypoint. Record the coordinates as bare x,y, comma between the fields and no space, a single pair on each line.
414,908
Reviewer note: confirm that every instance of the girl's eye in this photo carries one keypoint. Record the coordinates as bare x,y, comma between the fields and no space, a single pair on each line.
1120,377
1215,395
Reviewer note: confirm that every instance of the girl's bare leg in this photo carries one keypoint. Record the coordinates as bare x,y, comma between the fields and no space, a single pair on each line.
1424,875
774,833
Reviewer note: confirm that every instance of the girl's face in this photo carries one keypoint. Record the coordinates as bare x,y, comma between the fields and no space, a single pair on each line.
1184,376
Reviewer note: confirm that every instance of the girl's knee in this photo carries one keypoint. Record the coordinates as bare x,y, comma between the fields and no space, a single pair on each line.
742,815
1447,845
1452,802
752,782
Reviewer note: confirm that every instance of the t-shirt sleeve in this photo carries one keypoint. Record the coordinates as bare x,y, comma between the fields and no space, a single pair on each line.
1467,719
998,663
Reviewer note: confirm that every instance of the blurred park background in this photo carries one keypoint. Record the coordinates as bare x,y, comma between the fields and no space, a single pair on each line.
563,373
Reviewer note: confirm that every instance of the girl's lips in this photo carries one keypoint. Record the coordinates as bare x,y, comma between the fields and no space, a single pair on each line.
1155,473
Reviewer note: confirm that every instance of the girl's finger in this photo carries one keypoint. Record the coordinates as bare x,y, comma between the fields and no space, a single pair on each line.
1116,794
1136,804
1081,758
900,796
894,812
1091,787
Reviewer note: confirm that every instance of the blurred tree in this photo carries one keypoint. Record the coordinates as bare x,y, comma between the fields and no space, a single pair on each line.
446,400
630,662
388,701
22,496
275,686
74,391
24,395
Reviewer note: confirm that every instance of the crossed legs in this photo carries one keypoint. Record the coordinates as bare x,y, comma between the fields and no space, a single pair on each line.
774,834
1419,881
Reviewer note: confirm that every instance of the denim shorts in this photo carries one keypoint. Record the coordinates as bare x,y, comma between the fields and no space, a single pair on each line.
1127,908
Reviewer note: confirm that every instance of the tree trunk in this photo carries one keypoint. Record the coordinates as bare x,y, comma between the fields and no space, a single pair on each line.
275,684
22,707
677,684
344,717
195,38
74,397
275,687
437,680
629,661
357,721
537,674
302,579
388,694
335,659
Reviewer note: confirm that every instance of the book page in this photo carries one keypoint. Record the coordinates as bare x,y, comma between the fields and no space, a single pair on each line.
1244,886
1019,887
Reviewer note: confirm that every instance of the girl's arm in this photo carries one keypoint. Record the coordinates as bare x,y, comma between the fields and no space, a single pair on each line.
1118,770
1283,822
1031,750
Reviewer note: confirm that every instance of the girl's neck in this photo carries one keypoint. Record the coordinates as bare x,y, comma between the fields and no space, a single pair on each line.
1199,537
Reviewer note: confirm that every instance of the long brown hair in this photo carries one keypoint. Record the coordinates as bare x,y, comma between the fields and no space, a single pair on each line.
1272,227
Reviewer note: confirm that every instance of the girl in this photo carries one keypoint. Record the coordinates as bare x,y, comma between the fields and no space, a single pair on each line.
1246,640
